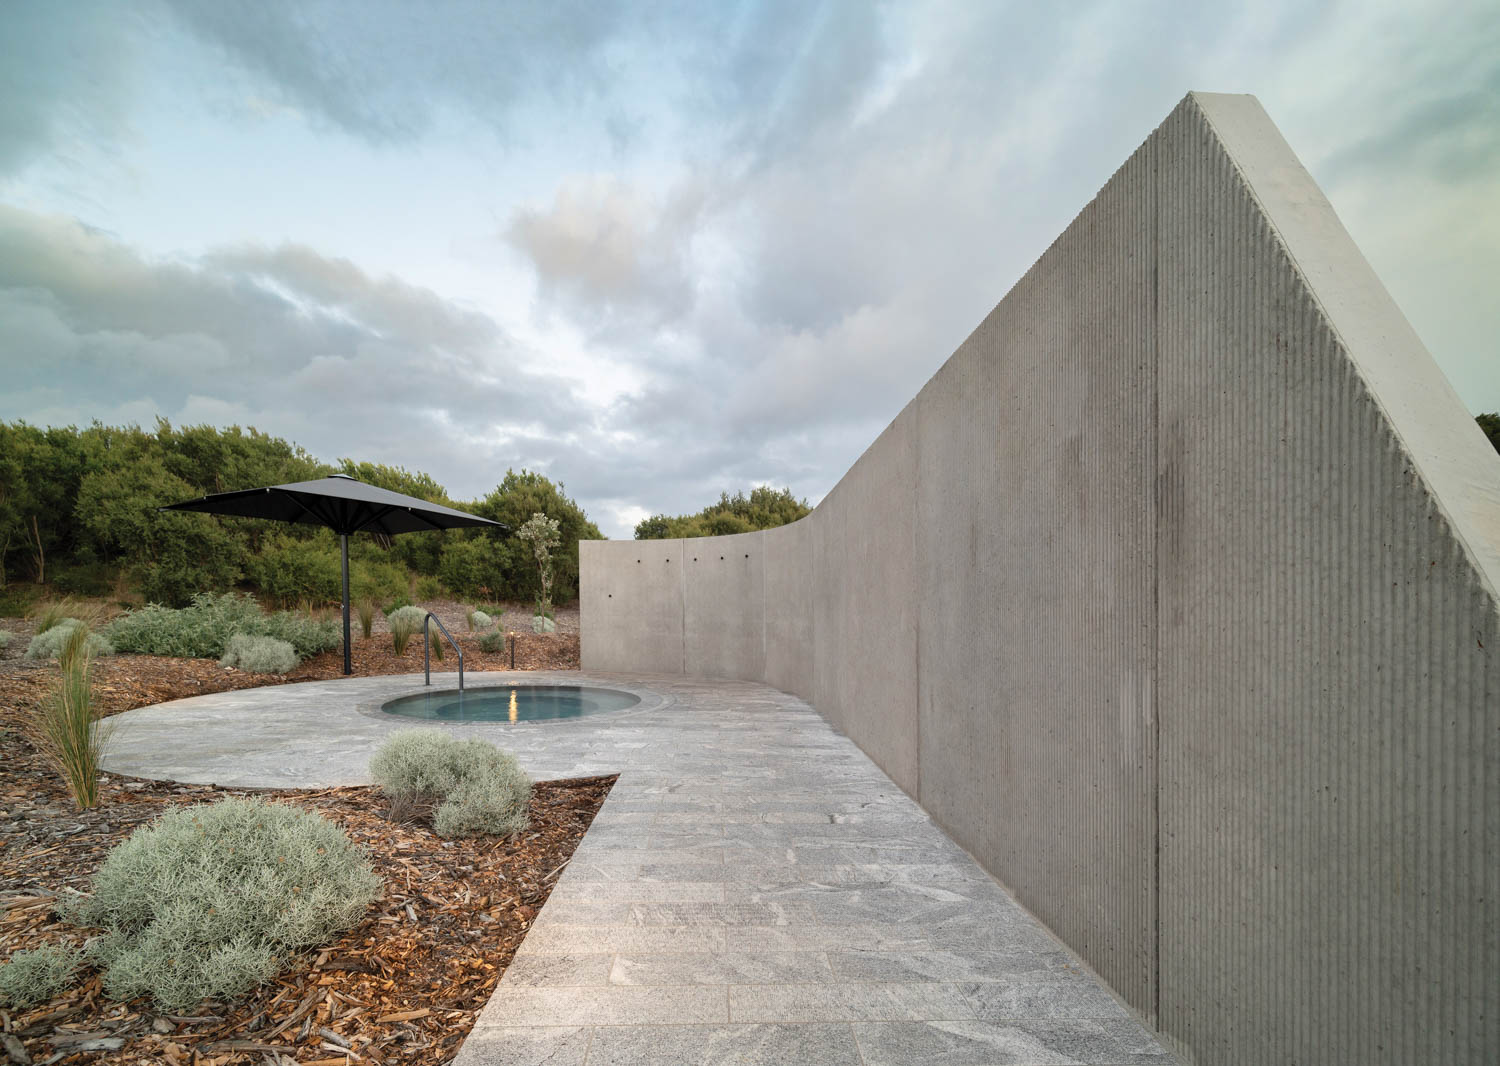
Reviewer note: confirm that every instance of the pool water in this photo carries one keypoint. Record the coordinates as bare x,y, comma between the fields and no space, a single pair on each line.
520,703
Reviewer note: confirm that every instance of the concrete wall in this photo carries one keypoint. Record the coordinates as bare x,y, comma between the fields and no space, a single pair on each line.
1172,597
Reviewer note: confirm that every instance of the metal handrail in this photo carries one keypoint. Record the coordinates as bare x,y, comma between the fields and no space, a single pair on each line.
427,649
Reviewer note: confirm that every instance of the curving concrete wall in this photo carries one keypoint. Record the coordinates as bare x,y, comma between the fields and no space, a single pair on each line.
1172,597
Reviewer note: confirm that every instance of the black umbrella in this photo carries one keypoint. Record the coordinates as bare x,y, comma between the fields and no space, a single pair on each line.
345,506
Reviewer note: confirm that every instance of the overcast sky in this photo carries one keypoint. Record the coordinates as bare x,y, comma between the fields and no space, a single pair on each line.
655,251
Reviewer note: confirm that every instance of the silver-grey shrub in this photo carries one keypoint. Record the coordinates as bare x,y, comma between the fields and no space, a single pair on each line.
480,620
478,788
259,655
49,644
202,630
212,900
35,976
4,639
409,615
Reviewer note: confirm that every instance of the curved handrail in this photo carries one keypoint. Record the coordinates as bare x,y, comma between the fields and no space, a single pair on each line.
427,649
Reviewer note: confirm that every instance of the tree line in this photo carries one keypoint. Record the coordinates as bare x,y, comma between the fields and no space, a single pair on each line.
764,508
78,512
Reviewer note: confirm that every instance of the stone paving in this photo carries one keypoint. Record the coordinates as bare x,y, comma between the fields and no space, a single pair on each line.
754,890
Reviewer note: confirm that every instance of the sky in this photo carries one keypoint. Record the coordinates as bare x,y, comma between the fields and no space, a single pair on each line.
655,251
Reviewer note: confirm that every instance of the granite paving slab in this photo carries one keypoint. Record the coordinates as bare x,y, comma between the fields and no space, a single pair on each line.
754,889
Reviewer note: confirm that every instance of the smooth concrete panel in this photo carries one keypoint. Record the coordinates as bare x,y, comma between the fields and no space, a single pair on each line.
723,612
631,605
1330,870
1036,546
788,607
866,611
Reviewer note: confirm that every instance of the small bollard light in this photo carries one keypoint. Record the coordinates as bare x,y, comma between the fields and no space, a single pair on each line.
512,649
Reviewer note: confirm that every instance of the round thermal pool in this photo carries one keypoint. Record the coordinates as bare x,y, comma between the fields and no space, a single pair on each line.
518,703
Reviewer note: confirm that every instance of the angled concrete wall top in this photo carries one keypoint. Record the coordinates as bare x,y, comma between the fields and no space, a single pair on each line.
1172,597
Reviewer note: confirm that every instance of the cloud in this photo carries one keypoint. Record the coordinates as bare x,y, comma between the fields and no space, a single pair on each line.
382,70
299,344
765,225
604,251
46,106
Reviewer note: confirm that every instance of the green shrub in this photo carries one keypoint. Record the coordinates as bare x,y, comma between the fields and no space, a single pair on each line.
429,588
18,598
198,631
49,643
471,563
291,569
85,578
66,730
395,605
33,977
478,787
259,655
202,629
209,901
494,640
308,636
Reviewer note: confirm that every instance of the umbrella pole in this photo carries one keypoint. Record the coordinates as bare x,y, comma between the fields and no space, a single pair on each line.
344,561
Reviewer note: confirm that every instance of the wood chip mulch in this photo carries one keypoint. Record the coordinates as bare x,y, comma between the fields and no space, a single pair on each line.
124,682
403,986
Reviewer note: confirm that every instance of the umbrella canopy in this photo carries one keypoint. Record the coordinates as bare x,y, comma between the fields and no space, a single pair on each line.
345,506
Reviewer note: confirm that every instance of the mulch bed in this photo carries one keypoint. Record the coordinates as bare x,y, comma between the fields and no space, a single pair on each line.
403,986
123,682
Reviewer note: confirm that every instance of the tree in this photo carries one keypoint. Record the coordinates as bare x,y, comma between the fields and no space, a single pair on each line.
516,499
1490,423
540,532
764,508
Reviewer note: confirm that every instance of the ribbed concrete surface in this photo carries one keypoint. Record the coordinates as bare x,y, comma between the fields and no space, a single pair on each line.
1329,691
1172,597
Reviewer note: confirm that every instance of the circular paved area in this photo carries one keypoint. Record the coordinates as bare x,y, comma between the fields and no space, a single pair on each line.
318,734
754,889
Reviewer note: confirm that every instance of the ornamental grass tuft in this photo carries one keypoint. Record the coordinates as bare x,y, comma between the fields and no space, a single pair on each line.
366,610
49,643
53,612
66,730
403,622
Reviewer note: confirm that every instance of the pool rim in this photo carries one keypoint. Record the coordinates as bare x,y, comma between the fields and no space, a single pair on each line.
650,700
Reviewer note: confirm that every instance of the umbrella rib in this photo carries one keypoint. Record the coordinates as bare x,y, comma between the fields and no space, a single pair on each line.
321,519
